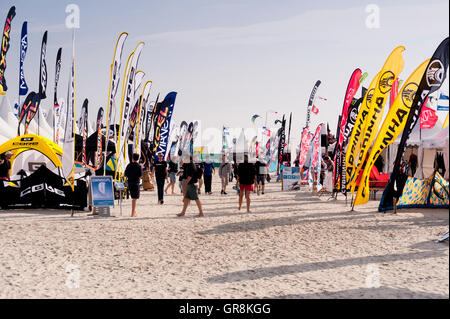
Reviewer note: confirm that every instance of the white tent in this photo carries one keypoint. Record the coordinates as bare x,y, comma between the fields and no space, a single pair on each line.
425,143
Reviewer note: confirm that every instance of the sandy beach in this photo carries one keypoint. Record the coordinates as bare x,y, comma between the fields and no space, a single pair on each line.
293,245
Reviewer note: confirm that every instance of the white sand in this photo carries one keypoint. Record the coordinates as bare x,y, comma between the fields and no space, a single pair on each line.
293,245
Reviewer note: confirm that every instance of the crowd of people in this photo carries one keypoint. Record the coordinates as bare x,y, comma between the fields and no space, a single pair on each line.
193,176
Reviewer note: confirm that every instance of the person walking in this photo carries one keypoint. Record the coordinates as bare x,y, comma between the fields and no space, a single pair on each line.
160,173
173,170
224,174
207,174
190,189
133,173
246,178
261,173
199,167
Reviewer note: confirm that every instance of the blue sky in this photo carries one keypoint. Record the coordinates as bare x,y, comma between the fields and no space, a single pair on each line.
228,60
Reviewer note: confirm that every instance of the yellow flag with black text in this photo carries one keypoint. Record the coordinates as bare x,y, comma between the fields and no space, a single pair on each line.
393,125
354,144
390,71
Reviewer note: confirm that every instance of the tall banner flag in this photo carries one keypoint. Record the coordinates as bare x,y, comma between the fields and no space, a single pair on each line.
315,159
282,141
351,120
431,81
98,155
68,157
311,102
183,130
393,125
113,85
354,144
43,68
307,136
32,110
126,108
23,87
390,71
56,107
27,105
4,49
83,127
352,88
141,116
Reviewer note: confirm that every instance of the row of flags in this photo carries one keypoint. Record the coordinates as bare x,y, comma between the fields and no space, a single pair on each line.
134,119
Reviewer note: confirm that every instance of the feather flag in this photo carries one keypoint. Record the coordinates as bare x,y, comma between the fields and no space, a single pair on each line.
68,157
23,87
141,115
83,128
4,48
114,84
352,88
311,102
43,68
315,159
390,71
128,100
56,107
98,154
162,127
355,140
393,125
428,118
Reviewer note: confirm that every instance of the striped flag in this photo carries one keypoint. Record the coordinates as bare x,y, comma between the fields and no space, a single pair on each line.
443,103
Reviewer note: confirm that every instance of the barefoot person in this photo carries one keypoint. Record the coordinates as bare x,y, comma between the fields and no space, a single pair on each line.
224,174
246,178
190,189
173,170
133,173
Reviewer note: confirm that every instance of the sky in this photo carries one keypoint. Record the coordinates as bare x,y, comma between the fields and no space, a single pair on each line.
228,59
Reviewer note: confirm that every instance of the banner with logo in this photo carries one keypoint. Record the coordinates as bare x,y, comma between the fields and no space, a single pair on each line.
43,68
315,160
311,102
4,49
355,140
69,132
307,137
431,81
393,125
98,155
114,85
83,127
428,118
23,87
181,138
162,125
390,71
352,88
128,100
140,127
291,178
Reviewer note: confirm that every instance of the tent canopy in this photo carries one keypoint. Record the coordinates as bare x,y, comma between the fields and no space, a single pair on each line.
38,143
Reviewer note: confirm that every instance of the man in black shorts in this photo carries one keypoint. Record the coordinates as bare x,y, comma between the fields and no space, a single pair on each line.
190,189
261,173
133,172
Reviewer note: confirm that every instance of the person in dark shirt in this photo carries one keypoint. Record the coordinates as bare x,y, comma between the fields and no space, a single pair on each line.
5,165
190,189
173,170
246,175
160,173
133,173
207,175
200,169
261,172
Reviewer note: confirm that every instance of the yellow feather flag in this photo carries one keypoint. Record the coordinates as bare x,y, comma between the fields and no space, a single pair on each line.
354,144
390,71
393,125
445,122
